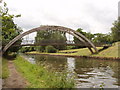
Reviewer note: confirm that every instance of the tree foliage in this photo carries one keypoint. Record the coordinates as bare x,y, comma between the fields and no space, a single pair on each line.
88,35
102,38
50,36
116,30
9,29
97,38
76,40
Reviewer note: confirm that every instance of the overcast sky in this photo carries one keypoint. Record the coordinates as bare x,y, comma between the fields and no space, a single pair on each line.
95,16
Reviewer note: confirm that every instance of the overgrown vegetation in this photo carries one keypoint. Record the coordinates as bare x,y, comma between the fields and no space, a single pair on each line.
5,70
40,77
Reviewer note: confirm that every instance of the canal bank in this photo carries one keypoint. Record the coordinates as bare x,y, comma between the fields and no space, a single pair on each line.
19,73
39,76
111,53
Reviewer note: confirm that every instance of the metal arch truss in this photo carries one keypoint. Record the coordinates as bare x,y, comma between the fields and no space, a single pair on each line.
81,37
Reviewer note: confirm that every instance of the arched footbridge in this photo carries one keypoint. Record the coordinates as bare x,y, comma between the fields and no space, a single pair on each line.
72,32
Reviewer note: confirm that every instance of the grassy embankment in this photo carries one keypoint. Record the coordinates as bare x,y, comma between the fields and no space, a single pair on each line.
5,70
109,52
40,77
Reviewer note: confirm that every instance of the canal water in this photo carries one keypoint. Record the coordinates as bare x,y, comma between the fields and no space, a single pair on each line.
88,73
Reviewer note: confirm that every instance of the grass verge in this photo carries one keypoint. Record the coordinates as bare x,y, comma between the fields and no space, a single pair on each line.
111,51
40,77
5,70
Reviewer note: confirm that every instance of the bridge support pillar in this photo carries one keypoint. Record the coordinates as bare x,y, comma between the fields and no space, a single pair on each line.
90,50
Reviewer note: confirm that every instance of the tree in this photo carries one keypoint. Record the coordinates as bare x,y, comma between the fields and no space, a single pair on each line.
116,30
9,29
76,40
50,36
87,35
102,38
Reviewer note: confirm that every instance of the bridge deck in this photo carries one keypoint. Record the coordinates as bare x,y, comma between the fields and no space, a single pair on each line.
60,44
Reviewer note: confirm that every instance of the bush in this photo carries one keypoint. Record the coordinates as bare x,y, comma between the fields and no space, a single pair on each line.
50,49
40,48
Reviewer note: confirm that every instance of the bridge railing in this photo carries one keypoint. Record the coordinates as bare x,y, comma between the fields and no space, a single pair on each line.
28,41
42,41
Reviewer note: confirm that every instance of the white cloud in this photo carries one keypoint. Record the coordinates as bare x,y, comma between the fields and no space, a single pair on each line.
91,15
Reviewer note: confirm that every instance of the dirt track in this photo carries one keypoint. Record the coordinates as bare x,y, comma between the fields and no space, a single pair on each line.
15,79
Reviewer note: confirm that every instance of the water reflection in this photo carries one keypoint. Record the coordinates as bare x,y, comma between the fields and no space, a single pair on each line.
54,63
90,73
71,64
31,59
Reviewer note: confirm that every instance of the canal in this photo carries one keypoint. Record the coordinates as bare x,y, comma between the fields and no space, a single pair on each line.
88,73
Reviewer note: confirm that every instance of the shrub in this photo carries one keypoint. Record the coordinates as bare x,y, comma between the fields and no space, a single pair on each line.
32,48
40,48
27,49
50,49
